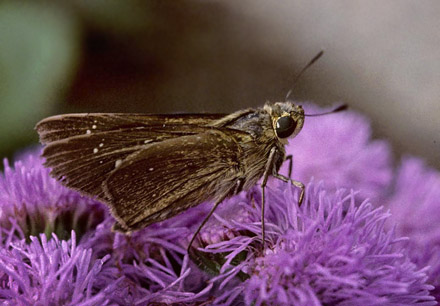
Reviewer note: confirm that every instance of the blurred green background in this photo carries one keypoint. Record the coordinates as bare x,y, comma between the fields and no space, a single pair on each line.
382,58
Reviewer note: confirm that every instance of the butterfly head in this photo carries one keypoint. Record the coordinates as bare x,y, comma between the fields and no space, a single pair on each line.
287,119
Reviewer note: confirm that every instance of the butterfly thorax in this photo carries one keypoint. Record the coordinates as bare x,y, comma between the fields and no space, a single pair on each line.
255,142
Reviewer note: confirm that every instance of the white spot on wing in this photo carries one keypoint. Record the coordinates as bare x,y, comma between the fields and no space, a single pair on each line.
94,126
88,132
118,163
151,169
95,150
101,145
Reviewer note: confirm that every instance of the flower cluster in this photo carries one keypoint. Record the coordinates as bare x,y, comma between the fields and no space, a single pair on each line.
331,250
365,235
52,272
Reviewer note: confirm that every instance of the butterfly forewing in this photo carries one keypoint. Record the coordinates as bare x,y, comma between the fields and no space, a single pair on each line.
65,126
82,149
171,176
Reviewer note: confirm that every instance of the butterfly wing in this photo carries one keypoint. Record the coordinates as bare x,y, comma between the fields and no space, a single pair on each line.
65,126
166,178
82,149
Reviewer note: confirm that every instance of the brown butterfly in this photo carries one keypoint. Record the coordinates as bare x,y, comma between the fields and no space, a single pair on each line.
148,168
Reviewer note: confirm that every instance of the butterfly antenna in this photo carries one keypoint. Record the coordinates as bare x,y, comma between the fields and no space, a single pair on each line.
339,108
310,63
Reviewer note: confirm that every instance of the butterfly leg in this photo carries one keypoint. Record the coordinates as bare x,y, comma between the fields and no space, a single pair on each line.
294,183
290,159
236,188
268,171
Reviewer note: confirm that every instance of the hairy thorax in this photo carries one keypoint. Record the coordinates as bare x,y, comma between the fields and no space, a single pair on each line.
256,145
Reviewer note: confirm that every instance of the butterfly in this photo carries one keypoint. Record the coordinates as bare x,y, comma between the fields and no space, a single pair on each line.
148,168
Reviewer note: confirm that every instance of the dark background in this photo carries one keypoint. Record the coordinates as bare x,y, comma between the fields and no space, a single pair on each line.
381,58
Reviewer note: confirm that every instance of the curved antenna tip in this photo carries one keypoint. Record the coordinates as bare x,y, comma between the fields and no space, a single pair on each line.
340,108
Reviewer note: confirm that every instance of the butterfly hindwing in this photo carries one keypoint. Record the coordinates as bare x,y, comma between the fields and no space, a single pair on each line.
168,177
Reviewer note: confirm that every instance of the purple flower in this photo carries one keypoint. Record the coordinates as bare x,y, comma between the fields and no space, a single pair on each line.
39,204
337,149
51,272
154,265
415,207
332,250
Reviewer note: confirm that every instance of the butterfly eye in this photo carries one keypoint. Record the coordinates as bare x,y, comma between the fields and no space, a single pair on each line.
285,126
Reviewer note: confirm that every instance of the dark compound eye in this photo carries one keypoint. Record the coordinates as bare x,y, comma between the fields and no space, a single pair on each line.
285,126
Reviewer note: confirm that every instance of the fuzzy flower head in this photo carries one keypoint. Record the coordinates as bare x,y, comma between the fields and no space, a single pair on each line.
152,263
415,208
38,203
51,272
332,250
